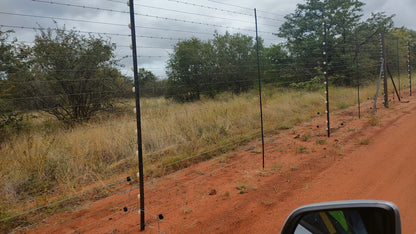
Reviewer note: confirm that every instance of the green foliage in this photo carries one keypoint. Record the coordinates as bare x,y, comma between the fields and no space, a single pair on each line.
198,68
301,149
186,70
315,83
276,59
304,32
347,37
235,59
227,62
242,188
148,84
69,75
306,137
10,121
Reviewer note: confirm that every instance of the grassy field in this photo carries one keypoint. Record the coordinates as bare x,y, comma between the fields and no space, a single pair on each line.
48,161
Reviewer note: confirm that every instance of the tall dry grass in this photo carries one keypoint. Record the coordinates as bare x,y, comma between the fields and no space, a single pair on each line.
49,161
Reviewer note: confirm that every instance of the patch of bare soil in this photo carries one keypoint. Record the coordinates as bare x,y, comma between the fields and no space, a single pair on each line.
367,158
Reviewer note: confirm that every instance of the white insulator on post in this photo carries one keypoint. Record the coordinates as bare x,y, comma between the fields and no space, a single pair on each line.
134,110
138,174
138,196
133,89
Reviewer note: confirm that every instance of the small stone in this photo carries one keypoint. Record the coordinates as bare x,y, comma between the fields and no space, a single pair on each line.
212,192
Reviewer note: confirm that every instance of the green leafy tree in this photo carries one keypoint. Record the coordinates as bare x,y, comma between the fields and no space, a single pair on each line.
188,70
367,45
275,62
235,61
148,83
225,63
69,75
303,30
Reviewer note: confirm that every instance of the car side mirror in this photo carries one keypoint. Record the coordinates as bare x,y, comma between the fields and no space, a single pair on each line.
359,216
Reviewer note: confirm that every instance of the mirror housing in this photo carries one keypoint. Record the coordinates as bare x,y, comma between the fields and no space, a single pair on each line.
375,216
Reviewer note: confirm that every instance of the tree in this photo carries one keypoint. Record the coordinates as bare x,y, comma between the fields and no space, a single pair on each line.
147,83
188,70
235,61
367,45
69,75
304,33
276,60
9,118
225,63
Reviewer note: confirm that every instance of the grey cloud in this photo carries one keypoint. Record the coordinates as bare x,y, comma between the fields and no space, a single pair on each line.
168,23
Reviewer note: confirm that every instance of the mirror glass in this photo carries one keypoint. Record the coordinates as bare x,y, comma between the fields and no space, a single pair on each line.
357,220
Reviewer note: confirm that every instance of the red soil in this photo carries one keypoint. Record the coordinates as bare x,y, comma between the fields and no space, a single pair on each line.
359,161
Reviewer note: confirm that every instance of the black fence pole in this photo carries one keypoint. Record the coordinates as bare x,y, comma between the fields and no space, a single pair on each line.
409,71
259,78
138,117
357,48
398,66
386,92
325,53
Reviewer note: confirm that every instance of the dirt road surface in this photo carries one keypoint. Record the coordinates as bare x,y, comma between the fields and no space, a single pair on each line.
367,158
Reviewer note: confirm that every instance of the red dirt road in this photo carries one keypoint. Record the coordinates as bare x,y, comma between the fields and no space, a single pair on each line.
230,194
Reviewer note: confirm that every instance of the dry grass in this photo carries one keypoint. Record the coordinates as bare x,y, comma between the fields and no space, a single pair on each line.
49,161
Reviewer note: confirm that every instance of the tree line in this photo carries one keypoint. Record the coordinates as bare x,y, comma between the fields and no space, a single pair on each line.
73,76
227,62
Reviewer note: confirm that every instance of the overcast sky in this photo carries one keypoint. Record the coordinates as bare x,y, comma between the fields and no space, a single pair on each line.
161,23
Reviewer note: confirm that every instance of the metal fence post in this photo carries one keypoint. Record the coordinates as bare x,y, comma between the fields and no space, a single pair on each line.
409,71
325,53
386,92
138,117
